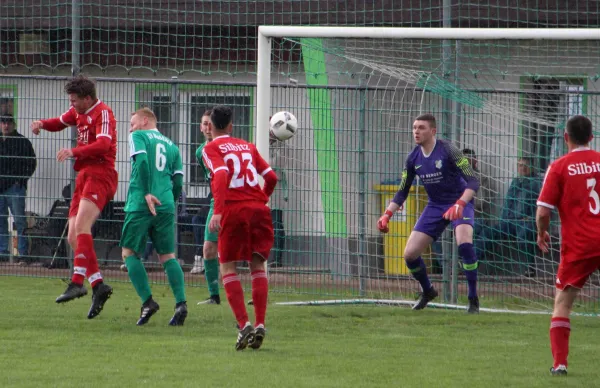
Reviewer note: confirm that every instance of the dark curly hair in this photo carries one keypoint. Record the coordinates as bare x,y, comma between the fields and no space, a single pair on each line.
82,86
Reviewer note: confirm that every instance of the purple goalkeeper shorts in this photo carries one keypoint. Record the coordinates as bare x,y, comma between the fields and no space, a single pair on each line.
432,222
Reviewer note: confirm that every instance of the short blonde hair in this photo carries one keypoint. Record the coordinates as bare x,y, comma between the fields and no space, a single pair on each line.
146,112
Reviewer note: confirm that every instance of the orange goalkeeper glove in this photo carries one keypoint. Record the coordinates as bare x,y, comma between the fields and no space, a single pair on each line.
456,211
384,220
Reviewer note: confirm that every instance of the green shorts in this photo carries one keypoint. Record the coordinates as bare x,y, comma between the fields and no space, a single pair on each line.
160,228
208,235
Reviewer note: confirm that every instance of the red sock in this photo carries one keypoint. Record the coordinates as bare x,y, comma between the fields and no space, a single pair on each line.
560,328
235,296
85,248
260,292
79,269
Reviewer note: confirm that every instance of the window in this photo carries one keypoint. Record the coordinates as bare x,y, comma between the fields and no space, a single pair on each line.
242,124
552,101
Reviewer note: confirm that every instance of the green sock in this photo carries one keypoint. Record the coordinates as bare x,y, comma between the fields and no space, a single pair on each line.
175,276
139,277
211,273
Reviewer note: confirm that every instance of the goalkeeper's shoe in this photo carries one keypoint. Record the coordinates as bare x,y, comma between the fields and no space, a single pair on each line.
425,298
180,315
73,291
560,370
100,295
149,308
258,337
213,299
473,305
244,336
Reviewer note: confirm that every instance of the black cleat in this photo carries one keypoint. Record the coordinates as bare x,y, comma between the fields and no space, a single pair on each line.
473,306
425,298
250,302
180,315
560,370
213,299
100,295
257,339
73,291
244,337
149,308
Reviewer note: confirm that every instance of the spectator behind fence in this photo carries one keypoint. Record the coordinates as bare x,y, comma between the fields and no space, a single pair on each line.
517,219
17,165
483,199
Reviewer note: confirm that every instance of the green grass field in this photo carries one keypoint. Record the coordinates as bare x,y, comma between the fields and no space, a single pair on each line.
49,345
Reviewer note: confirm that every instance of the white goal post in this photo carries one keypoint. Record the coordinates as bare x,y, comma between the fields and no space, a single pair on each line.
263,81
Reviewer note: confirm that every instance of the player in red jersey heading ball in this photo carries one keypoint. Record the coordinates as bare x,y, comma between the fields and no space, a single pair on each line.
95,185
571,185
242,219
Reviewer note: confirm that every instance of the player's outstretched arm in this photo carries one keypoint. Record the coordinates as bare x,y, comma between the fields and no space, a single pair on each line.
55,124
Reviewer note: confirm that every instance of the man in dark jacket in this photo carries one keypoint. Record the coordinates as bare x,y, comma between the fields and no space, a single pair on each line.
17,165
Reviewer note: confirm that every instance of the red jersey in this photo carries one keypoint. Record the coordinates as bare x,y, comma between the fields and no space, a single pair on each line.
572,185
243,165
95,123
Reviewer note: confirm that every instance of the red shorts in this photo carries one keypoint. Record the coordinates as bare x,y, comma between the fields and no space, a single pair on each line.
96,185
246,228
576,273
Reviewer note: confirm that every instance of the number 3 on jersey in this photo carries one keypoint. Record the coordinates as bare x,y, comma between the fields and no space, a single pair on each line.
595,206
249,175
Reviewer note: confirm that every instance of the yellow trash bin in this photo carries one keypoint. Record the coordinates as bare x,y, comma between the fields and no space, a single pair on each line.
400,226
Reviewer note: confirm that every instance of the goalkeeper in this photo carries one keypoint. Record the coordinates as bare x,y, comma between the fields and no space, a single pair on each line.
451,184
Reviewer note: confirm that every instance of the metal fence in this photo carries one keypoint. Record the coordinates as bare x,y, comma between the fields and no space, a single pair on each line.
326,240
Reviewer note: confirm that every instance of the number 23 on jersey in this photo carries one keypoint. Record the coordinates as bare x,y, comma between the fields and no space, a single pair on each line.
244,171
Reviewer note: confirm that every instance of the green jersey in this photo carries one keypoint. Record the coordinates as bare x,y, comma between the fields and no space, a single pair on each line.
205,170
164,161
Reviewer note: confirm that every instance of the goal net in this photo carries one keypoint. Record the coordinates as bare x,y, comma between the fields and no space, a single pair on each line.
504,101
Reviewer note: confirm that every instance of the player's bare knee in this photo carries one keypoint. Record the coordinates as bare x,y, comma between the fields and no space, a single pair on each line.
126,252
464,234
166,257
228,268
86,217
209,250
411,254
563,302
258,263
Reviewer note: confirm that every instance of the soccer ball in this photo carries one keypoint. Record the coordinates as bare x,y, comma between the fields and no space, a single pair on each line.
283,125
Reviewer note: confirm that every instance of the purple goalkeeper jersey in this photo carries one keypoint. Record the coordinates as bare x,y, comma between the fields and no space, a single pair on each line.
445,174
